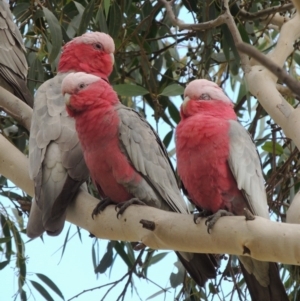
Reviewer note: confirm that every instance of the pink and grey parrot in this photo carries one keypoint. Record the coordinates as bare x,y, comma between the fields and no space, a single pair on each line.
220,170
56,161
126,158
13,64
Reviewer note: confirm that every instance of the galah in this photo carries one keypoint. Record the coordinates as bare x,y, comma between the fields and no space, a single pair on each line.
13,64
220,170
126,159
56,161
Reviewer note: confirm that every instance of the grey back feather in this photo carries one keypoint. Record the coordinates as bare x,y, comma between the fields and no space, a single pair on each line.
56,161
149,157
13,64
246,168
159,187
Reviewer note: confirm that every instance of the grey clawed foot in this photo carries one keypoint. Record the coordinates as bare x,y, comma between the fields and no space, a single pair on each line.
201,214
101,206
212,219
124,205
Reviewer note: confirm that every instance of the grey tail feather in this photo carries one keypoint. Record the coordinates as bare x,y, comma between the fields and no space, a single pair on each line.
16,85
201,267
55,223
22,92
273,292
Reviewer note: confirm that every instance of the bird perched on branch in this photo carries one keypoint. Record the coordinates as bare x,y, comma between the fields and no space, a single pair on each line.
13,64
56,161
221,172
127,161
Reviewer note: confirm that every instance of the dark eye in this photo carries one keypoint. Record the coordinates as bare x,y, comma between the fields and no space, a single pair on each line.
98,46
81,86
205,96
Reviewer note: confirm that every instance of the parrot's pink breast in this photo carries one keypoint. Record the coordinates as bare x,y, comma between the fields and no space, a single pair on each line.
108,166
202,147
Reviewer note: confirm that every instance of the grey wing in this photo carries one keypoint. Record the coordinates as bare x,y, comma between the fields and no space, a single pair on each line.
13,64
159,187
56,161
246,168
149,157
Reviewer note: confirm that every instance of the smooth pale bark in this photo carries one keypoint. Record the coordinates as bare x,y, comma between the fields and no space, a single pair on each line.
16,108
293,214
266,240
262,83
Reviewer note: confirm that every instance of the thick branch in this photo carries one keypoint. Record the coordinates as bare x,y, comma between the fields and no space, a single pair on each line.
245,63
232,235
262,82
265,12
297,5
14,166
290,31
266,240
16,108
293,214
270,65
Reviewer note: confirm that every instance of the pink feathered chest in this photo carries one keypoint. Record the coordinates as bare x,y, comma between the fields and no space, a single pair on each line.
202,148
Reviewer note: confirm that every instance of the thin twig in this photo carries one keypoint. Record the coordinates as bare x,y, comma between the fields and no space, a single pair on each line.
130,272
199,27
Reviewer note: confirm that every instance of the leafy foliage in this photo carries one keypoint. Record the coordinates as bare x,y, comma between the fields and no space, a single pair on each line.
153,62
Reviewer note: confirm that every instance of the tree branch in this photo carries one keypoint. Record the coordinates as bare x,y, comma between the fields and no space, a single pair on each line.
16,108
265,12
270,65
198,27
266,240
226,18
262,82
14,166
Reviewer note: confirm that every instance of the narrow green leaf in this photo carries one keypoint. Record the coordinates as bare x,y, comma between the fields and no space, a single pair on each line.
177,278
51,284
174,112
168,138
130,251
106,7
130,90
23,295
244,34
106,260
119,247
21,260
79,233
115,20
158,293
94,256
5,239
56,34
6,233
79,7
156,258
268,147
101,20
3,264
86,17
65,243
41,290
172,90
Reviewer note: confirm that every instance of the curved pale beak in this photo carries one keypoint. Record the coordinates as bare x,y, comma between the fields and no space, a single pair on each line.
112,58
67,98
185,101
